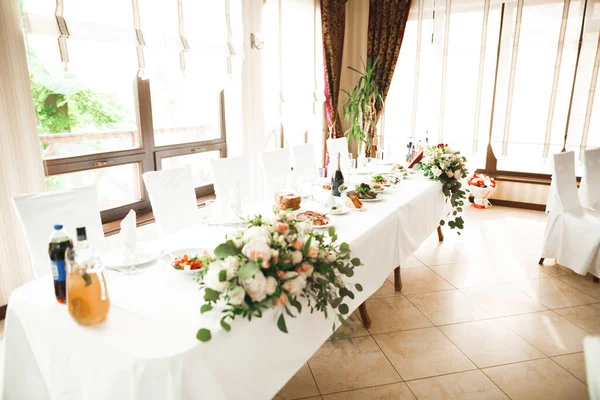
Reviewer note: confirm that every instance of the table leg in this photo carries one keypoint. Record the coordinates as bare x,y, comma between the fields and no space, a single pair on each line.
541,262
440,234
596,279
364,316
397,279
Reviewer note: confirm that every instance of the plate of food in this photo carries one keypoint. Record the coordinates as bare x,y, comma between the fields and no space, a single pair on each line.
353,202
378,188
326,186
189,261
337,210
364,192
379,179
316,219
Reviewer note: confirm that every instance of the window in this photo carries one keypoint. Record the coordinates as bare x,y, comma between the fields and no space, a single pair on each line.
443,86
130,87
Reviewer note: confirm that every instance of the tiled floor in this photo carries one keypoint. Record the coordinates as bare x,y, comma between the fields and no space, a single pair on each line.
477,319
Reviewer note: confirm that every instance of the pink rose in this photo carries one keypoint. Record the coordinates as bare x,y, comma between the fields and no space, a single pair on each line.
281,227
449,173
313,252
297,244
265,264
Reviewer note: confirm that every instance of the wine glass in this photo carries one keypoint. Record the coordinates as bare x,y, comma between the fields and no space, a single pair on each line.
131,244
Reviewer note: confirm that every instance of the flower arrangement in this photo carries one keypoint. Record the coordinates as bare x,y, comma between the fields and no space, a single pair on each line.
482,187
443,164
274,263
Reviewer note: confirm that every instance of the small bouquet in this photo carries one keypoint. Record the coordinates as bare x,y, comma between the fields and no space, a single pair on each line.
274,263
482,187
442,164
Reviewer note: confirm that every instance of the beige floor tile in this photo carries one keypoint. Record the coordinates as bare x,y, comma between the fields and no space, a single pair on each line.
470,385
355,328
488,343
396,391
586,317
448,307
438,255
469,274
539,379
389,314
574,363
301,385
583,283
502,300
386,290
555,269
548,332
554,293
422,280
423,353
412,262
343,366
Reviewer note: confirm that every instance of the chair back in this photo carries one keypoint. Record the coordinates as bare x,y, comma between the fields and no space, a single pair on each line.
565,184
340,145
276,171
72,208
229,173
173,199
589,189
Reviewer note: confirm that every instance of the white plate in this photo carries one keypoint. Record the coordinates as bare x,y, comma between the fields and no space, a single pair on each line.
331,222
341,209
119,258
371,200
180,253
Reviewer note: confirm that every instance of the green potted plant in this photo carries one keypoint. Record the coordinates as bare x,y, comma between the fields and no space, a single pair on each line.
360,107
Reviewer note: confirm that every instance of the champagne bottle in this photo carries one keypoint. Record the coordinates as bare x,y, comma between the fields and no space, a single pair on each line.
338,179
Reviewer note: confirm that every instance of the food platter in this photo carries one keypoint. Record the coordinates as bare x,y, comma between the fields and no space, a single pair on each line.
317,220
191,253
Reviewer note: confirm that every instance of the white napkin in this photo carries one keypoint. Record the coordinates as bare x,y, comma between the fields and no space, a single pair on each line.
128,230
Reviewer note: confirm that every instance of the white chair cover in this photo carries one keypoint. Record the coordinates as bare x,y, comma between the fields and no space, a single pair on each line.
335,146
229,173
572,234
589,190
304,156
173,199
276,171
39,212
591,348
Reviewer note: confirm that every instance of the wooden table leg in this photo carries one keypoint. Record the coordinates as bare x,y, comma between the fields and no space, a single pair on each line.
397,279
541,262
440,234
596,279
364,315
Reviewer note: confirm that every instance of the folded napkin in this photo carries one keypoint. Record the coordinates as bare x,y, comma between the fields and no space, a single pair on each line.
128,230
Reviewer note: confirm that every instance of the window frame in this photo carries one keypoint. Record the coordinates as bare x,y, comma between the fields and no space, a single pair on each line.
148,155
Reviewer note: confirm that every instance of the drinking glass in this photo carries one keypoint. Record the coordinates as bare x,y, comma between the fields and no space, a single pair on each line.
130,245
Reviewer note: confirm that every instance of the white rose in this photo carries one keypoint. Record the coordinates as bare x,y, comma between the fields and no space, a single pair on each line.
256,249
436,171
296,257
211,279
257,232
296,285
238,243
331,257
457,174
303,228
256,287
232,265
271,285
236,296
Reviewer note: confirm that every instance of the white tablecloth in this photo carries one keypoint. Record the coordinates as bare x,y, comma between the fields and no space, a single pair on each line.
147,348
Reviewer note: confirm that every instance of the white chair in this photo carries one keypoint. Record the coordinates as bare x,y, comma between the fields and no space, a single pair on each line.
229,173
591,348
72,208
572,234
589,190
335,146
276,171
173,199
304,158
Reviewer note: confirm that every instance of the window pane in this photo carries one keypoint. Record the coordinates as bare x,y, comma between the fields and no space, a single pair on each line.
117,186
88,108
200,163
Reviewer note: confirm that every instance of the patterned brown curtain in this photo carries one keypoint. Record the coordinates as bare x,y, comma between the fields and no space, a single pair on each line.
387,21
333,21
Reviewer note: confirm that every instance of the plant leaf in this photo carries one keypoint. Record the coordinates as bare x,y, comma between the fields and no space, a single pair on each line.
225,325
358,287
203,335
343,309
281,324
222,275
355,262
205,308
225,250
211,295
248,270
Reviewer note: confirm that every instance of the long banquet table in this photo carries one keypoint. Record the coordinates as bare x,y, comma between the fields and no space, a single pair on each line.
147,347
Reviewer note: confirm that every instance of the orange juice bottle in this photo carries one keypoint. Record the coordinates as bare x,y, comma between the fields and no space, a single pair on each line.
87,294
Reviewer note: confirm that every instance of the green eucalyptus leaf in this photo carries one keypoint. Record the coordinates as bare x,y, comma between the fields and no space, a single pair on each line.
211,295
203,335
205,308
281,324
225,325
248,270
225,250
222,275
358,287
343,308
355,262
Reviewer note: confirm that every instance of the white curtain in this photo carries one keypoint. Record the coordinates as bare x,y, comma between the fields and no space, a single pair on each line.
21,169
